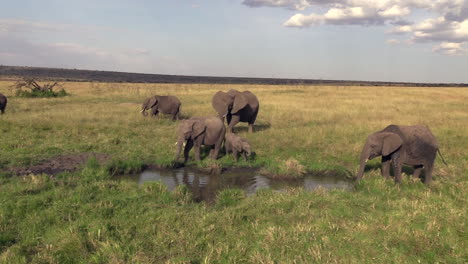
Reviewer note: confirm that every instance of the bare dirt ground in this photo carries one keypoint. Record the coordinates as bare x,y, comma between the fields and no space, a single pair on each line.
58,164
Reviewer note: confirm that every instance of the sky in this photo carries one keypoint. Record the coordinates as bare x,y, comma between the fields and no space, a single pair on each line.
370,40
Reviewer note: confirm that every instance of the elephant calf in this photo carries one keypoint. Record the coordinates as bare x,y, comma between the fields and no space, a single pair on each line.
3,103
411,145
198,131
169,105
237,145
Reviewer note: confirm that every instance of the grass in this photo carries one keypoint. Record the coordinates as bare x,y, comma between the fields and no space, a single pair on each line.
87,217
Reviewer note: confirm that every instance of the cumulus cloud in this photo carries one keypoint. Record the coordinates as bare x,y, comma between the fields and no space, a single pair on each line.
447,26
449,48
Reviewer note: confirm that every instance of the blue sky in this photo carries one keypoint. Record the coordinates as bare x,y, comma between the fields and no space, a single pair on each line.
380,40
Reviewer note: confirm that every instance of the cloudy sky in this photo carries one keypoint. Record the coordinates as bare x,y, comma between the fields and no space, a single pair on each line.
383,40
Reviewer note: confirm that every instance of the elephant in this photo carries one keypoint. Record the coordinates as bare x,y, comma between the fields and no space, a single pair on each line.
237,145
165,104
3,103
410,145
198,131
236,107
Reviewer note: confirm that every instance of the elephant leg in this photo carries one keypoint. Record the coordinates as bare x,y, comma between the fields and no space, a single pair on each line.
428,173
386,162
235,154
187,149
244,155
234,120
154,111
251,128
417,172
252,122
397,170
212,150
197,152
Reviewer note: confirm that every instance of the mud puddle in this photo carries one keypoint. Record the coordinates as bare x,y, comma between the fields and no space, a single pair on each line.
205,187
63,163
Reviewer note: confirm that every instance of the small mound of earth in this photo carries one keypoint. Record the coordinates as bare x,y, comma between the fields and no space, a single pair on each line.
64,163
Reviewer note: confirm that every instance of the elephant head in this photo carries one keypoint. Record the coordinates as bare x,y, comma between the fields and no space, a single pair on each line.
189,129
378,144
148,104
228,103
245,146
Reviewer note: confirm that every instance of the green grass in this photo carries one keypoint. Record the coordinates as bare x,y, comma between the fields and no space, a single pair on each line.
88,217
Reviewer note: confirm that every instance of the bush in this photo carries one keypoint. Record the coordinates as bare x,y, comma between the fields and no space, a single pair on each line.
33,89
38,93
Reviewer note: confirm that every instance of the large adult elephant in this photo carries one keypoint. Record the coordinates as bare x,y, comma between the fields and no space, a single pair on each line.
169,105
236,107
198,131
3,103
410,145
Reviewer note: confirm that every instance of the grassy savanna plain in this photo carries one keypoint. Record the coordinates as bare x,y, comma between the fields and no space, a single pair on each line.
90,217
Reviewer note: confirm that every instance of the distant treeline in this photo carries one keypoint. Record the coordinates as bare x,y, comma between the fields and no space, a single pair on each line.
56,74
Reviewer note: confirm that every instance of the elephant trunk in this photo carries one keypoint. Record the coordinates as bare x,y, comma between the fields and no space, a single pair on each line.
180,143
143,111
362,161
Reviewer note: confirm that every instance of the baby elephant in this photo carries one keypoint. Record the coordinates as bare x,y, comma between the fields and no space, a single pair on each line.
237,145
169,105
3,103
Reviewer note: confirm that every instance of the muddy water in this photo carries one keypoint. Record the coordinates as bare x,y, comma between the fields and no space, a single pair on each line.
204,187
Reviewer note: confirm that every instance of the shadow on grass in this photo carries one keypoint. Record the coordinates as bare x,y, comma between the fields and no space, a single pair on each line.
408,170
257,128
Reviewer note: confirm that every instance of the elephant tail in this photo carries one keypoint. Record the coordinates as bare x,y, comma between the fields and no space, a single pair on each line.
440,154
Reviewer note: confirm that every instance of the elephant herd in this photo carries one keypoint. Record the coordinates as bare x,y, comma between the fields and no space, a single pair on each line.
415,146
233,105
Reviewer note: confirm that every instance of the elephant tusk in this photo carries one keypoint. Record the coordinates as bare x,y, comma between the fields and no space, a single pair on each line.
175,144
366,161
142,110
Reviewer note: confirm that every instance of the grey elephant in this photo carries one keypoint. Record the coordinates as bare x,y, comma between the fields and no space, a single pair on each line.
3,103
236,107
198,131
237,145
410,145
169,105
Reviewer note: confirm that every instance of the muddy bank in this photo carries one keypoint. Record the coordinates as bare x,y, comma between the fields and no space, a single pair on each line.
59,164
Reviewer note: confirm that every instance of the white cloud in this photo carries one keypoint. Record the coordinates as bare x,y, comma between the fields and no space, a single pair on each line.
449,48
448,24
393,41
25,26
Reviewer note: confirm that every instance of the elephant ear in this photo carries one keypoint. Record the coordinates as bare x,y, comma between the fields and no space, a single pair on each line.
240,101
152,101
198,127
391,142
221,102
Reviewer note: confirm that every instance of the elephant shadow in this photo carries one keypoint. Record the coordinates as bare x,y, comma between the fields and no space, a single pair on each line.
257,128
408,170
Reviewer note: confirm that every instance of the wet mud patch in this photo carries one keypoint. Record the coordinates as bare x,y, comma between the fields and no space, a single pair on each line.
62,163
